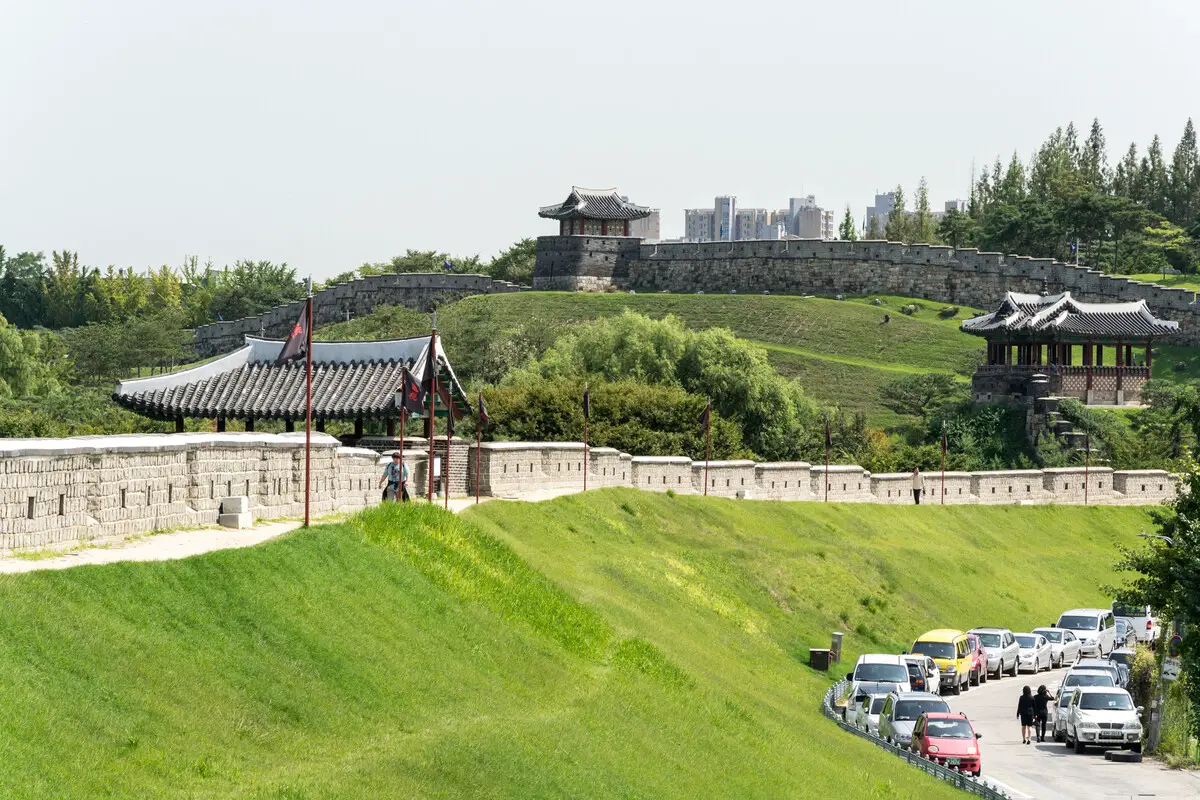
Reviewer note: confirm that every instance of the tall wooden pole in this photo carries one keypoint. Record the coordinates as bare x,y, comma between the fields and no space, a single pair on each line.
585,451
308,410
1087,463
826,461
707,444
446,463
403,414
478,445
432,365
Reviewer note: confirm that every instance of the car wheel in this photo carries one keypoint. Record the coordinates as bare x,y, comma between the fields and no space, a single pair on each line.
1080,748
1016,668
957,689
1057,736
966,685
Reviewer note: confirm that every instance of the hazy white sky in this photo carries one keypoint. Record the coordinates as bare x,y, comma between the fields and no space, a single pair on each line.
326,134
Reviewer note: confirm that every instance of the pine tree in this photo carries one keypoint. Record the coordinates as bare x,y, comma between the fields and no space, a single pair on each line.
1011,188
846,230
1154,177
1125,177
896,229
1093,159
873,233
982,196
923,227
1181,180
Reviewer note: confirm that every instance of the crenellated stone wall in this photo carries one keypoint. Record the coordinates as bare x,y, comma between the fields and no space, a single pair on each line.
419,291
829,268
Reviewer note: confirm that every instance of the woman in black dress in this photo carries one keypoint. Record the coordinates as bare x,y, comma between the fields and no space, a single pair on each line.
1025,714
1041,712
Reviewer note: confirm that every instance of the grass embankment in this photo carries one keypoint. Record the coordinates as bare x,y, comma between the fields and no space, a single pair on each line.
841,351
618,644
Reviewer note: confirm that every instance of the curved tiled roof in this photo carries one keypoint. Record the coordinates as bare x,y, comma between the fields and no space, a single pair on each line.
350,380
594,204
1025,314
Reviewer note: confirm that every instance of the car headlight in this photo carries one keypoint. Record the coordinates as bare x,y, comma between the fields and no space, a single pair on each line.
1133,726
1087,726
949,669
972,750
933,748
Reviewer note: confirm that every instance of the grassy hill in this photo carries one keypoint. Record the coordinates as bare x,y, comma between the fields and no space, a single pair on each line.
619,644
841,351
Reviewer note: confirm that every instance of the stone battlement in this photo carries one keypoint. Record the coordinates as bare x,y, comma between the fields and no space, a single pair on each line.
418,291
63,491
829,268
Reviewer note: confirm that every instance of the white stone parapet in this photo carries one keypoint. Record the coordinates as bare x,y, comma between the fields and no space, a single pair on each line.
55,491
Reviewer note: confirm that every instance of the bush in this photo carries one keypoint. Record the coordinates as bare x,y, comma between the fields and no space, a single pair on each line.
909,309
948,312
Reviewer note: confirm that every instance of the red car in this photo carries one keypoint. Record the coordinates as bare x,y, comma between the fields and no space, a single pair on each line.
979,670
949,740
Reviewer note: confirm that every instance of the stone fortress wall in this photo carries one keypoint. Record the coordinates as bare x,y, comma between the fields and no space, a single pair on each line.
64,491
828,268
418,291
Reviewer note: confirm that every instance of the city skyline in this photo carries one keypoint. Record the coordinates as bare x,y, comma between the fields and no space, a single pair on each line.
326,136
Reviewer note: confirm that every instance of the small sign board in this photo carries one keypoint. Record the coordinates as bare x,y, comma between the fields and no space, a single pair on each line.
1174,645
1170,669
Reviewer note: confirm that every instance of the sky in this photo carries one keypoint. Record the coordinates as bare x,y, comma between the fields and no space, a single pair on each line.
329,134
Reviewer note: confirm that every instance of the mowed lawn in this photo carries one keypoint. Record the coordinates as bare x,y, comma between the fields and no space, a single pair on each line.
621,644
840,351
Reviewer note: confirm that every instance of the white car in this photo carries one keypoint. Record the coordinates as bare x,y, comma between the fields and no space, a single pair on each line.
1035,652
1086,677
866,712
876,673
900,711
1061,705
1103,717
1064,646
1095,627
933,675
1003,652
1099,665
1141,619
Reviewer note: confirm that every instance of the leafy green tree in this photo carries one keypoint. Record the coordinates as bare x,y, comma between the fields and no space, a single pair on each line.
1011,188
515,264
922,226
921,396
897,228
958,229
1126,178
22,295
1171,245
251,287
873,232
1183,180
1152,173
1093,159
846,230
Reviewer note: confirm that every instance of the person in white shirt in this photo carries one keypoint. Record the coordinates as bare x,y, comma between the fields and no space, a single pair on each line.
918,481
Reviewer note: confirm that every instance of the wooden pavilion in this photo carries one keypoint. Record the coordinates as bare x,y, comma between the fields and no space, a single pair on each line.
594,212
1066,341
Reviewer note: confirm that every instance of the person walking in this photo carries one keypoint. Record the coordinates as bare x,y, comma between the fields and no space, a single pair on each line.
396,476
1041,711
918,484
1025,714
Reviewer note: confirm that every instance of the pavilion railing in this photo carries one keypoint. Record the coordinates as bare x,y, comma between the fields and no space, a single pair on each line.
1073,369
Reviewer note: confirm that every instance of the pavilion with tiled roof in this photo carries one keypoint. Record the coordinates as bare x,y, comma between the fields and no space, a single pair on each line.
351,381
1030,334
594,212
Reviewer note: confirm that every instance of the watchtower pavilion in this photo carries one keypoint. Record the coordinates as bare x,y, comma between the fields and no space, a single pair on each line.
594,212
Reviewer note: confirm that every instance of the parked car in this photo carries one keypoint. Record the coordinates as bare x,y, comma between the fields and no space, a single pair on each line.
1125,635
1095,628
867,708
951,651
1141,619
1086,677
900,712
1064,645
1061,704
1100,665
1035,652
949,740
1103,717
979,671
923,674
1123,657
1002,650
876,673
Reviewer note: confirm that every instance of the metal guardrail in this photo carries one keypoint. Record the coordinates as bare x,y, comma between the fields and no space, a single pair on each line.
972,785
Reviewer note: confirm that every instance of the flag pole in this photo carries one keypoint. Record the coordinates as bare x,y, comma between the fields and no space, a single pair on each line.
446,462
478,443
943,463
1087,463
431,364
403,415
707,442
826,460
587,410
308,409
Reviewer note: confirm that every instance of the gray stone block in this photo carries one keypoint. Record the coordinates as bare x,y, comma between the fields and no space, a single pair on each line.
235,505
243,520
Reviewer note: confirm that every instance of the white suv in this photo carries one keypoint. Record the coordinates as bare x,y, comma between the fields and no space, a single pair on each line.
1103,717
875,673
1094,627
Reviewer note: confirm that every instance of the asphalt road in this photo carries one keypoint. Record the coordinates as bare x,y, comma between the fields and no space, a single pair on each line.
1050,771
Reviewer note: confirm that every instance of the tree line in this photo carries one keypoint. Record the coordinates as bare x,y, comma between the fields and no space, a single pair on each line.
1067,201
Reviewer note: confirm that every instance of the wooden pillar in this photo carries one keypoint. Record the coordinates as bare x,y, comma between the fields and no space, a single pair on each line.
1129,355
1008,354
179,424
1149,356
429,430
604,227
249,424
358,427
391,427
220,424
289,425
1120,355
1099,355
626,227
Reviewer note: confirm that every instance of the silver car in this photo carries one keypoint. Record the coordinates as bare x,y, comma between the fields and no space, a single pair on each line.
866,711
1003,652
900,711
1064,646
1035,652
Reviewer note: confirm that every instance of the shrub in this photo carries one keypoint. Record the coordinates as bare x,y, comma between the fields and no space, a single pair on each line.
948,312
909,309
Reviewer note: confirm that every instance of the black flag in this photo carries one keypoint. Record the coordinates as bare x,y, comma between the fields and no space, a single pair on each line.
1087,444
449,421
414,396
705,416
587,403
483,415
297,340
828,440
943,439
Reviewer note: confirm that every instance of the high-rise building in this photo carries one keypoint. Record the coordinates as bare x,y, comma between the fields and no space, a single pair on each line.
726,221
724,218
649,229
884,203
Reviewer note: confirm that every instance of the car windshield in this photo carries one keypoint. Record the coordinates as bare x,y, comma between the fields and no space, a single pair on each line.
948,729
1026,641
1089,679
1122,625
914,670
1054,636
877,704
990,639
1064,699
1094,701
1077,623
881,673
934,649
911,709
1127,611
1121,658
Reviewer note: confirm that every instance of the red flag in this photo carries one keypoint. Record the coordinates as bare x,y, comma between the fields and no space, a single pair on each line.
297,341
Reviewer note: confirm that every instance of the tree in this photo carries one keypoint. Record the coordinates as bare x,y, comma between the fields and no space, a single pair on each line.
516,263
1171,246
1011,188
22,292
252,287
958,229
922,227
896,229
846,230
873,233
1152,173
920,396
1126,182
1183,186
1093,159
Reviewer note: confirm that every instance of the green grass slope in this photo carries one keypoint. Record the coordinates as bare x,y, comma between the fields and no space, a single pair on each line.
621,644
840,350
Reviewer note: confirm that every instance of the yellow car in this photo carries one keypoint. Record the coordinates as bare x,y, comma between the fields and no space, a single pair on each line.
951,651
